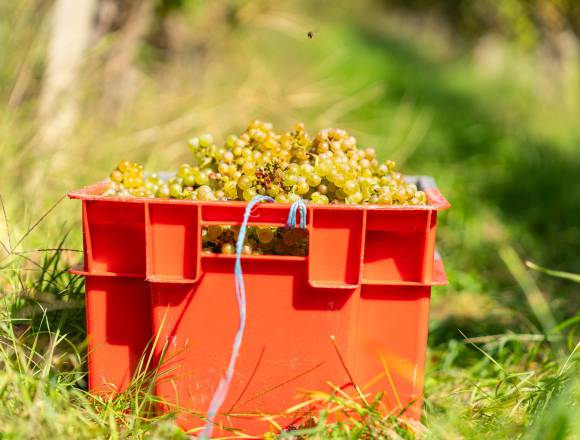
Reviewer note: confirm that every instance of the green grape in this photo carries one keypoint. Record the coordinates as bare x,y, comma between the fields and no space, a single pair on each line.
421,197
188,194
205,193
117,176
367,172
193,143
292,197
335,146
354,199
189,180
129,181
112,189
249,194
350,187
323,147
231,141
163,192
273,190
218,154
228,157
205,140
349,141
202,178
322,168
244,182
223,168
339,180
294,168
140,192
265,234
248,168
302,186
385,199
313,180
150,186
154,178
228,249
290,179
230,189
351,173
401,195
306,169
175,190
214,232
343,168
124,166
184,170
366,193
176,179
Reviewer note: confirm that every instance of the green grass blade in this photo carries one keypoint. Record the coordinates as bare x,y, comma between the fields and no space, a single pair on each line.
554,273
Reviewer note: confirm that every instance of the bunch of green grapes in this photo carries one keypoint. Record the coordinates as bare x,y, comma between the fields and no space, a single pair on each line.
259,240
126,180
326,168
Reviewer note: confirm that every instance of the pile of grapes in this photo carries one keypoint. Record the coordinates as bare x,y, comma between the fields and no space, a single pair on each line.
260,240
326,168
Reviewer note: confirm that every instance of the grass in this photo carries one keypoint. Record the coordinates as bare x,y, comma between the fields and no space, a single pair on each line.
496,130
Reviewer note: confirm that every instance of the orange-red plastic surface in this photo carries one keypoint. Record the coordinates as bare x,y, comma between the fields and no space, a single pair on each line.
366,281
118,328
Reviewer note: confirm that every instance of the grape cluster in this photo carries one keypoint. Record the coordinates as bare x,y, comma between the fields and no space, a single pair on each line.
259,240
127,180
326,168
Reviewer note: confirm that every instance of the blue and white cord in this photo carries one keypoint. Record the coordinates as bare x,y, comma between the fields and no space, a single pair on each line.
224,385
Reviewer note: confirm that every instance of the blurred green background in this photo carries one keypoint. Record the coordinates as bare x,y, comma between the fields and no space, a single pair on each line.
484,96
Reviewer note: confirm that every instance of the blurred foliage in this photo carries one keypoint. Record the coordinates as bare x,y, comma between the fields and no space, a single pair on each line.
526,22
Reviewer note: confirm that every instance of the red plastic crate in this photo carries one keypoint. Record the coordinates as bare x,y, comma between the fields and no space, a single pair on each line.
366,280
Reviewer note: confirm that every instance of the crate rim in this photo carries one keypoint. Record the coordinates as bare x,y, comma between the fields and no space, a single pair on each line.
437,202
